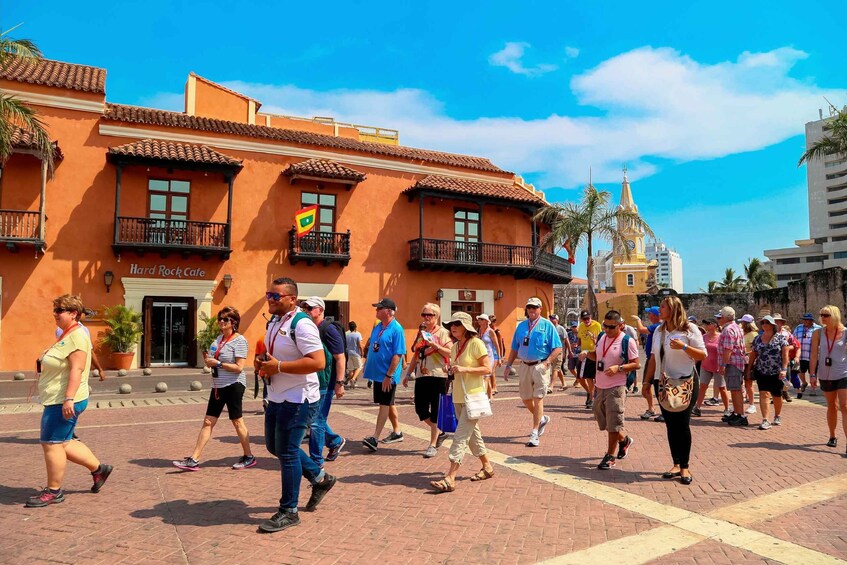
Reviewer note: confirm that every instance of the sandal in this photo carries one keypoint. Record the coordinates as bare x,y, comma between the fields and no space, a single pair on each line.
443,485
482,475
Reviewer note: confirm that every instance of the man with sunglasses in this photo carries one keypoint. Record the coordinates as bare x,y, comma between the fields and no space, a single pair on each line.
383,366
613,364
294,354
536,343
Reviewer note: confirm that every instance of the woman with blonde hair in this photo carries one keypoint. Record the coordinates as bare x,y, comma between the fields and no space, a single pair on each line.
829,361
748,327
63,371
469,364
431,350
677,346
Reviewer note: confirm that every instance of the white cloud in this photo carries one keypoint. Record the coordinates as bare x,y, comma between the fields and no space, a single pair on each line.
571,52
511,57
654,102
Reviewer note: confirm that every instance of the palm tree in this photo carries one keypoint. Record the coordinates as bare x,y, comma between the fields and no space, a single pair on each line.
758,278
730,283
712,288
833,143
14,114
576,224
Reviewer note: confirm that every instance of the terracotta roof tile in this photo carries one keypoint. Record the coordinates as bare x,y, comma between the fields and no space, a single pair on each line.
510,192
323,168
23,139
150,116
172,151
56,73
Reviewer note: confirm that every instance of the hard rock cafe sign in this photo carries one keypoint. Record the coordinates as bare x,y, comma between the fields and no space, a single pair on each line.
167,272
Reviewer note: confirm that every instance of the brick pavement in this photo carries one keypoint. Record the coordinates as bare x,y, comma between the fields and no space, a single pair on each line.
383,510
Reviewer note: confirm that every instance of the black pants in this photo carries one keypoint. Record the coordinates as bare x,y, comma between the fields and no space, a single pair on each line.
678,425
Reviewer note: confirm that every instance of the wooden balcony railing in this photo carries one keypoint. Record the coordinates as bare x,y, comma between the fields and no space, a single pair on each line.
19,226
522,261
326,247
171,235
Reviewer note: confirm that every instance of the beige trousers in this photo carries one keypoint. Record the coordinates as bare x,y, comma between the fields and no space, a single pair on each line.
467,436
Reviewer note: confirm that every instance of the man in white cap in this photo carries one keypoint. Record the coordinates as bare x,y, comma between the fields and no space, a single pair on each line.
731,359
537,344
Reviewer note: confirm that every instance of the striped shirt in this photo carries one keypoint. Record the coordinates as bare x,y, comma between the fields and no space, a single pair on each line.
804,336
732,339
235,348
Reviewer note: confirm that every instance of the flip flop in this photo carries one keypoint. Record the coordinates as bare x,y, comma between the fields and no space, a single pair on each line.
443,485
482,475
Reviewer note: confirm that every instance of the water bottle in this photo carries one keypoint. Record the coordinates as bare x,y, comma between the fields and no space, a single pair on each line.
212,350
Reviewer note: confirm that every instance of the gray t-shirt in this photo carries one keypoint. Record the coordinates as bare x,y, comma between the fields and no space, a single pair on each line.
235,348
354,343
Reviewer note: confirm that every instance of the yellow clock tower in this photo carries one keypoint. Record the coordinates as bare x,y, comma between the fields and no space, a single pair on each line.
630,271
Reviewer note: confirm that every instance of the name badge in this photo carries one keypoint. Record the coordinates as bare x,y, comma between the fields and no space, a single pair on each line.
282,332
828,361
526,340
601,366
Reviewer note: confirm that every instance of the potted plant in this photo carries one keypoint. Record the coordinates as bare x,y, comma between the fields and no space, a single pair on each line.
208,334
122,334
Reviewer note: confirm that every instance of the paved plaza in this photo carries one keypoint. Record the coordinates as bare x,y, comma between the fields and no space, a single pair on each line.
758,496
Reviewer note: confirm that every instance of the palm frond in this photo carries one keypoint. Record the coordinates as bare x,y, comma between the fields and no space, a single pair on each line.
834,141
15,114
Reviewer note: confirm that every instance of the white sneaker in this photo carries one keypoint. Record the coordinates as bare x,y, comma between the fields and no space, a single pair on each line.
765,425
751,409
727,412
543,424
533,440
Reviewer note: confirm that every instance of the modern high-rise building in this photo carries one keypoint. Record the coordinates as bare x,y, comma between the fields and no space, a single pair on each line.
827,243
669,270
603,270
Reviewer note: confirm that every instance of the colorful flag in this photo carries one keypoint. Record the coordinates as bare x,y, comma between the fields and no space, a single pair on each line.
569,249
304,219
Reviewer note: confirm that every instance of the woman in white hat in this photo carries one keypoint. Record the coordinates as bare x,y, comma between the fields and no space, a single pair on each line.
468,365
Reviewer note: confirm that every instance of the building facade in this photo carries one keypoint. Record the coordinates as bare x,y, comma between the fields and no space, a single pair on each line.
176,214
632,274
569,299
827,243
668,265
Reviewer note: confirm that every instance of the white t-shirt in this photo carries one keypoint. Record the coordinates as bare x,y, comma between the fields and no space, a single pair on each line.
676,362
286,386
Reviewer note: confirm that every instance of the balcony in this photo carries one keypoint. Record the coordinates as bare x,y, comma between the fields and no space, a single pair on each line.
520,261
323,247
171,236
20,227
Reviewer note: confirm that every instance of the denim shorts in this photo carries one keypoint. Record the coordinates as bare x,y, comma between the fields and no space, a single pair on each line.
54,427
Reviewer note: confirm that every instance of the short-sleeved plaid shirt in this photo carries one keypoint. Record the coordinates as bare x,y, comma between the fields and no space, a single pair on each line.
804,336
732,339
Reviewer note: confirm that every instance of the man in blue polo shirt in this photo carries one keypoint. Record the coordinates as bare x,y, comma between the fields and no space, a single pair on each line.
646,390
536,343
383,366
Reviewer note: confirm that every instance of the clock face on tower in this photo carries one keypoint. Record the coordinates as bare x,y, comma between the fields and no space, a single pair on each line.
630,244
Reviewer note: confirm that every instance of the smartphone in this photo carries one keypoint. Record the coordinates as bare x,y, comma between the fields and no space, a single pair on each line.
427,336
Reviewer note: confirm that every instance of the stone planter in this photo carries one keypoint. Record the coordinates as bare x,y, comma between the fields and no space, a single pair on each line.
122,360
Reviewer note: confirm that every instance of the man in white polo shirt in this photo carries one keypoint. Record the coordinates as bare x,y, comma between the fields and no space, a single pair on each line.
294,355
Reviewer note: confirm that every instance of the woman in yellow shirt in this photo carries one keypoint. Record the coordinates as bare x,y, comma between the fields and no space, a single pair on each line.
63,390
468,365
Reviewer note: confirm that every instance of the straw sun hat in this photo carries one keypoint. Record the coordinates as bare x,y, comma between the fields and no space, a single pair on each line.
463,318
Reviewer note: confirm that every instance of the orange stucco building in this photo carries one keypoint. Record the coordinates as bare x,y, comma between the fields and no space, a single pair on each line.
183,212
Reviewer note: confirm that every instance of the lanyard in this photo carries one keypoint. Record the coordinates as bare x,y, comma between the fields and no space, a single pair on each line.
829,346
462,348
222,343
74,326
531,324
608,345
379,335
277,328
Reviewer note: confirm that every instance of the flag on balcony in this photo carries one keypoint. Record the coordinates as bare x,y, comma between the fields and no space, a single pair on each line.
569,249
305,219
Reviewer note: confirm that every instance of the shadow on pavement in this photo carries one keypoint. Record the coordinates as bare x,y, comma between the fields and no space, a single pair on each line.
409,480
777,446
207,513
21,440
586,468
271,463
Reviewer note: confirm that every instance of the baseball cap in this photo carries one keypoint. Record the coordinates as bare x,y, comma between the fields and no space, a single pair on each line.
554,317
573,324
692,318
315,301
808,316
652,310
483,317
386,303
584,314
534,301
718,315
747,318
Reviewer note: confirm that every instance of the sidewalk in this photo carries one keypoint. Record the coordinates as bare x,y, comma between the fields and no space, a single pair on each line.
758,496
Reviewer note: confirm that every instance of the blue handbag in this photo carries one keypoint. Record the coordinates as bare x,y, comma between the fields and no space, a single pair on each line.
447,421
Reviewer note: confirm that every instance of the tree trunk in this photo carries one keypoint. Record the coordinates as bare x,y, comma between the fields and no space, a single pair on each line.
592,298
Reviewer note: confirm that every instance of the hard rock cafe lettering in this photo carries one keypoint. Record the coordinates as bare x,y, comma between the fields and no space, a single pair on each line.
167,272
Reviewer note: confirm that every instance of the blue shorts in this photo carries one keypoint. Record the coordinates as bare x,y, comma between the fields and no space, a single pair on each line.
54,427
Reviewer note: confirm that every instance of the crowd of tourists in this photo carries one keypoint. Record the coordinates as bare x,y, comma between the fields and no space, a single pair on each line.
306,360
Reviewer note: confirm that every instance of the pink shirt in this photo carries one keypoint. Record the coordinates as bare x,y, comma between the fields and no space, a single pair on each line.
609,352
710,363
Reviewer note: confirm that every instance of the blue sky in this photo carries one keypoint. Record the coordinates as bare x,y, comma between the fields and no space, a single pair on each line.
705,102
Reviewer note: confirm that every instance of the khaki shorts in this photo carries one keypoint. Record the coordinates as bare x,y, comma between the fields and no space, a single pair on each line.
557,362
533,380
609,408
354,363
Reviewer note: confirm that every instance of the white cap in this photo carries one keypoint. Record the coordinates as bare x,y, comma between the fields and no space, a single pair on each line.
483,317
315,301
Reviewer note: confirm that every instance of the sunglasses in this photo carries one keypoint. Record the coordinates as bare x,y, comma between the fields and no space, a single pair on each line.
276,296
307,308
60,310
533,307
222,320
427,315
454,324
825,315
608,327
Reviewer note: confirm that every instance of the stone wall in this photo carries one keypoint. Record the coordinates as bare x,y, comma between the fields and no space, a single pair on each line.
704,305
819,288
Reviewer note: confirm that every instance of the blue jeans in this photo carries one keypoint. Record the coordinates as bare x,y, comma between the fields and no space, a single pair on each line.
285,426
321,434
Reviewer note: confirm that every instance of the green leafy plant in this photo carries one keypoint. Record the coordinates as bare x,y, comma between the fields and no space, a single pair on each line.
209,333
124,329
